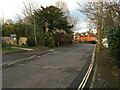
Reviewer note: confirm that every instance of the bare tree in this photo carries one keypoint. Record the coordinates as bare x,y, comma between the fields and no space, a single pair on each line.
94,11
112,14
29,8
62,5
72,19
103,15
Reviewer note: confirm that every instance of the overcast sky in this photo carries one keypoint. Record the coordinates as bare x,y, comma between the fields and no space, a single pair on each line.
9,9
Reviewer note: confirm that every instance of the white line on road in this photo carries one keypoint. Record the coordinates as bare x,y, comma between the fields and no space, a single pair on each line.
13,62
16,61
82,84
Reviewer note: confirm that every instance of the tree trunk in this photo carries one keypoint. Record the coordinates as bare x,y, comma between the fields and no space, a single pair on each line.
35,32
99,43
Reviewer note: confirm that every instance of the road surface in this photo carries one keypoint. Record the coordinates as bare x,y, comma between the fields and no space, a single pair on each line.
62,68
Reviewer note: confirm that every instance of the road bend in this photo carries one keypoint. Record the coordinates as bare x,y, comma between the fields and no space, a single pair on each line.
65,67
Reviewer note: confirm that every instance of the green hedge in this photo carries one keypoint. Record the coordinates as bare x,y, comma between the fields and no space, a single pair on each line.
114,45
49,40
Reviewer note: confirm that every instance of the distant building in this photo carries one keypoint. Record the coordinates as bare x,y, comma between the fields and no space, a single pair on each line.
76,37
88,37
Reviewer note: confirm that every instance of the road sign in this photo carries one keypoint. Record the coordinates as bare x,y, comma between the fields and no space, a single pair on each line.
13,36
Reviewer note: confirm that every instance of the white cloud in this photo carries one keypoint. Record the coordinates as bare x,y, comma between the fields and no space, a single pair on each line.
83,25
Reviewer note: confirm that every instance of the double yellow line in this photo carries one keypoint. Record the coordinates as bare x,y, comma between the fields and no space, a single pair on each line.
85,79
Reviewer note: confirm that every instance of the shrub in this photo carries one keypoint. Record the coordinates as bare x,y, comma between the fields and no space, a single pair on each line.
114,45
50,40
30,41
63,39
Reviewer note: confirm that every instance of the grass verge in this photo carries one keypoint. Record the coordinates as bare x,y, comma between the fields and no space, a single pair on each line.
9,48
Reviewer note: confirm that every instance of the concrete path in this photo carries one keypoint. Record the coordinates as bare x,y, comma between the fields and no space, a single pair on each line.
23,48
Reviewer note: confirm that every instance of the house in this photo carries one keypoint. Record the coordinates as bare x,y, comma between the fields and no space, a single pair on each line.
85,37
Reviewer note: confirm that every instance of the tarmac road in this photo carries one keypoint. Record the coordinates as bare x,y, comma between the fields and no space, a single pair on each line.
63,68
7,57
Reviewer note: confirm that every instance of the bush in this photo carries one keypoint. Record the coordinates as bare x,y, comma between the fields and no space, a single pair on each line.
50,40
30,41
63,39
114,45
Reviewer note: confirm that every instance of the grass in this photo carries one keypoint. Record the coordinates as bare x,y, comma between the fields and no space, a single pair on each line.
6,48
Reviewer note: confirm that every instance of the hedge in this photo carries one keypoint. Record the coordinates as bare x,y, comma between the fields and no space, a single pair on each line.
114,45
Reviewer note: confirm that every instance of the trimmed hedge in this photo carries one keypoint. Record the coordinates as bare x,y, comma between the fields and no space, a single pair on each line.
114,45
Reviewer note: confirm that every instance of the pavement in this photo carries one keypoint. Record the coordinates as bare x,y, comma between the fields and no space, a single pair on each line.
106,73
62,67
23,48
